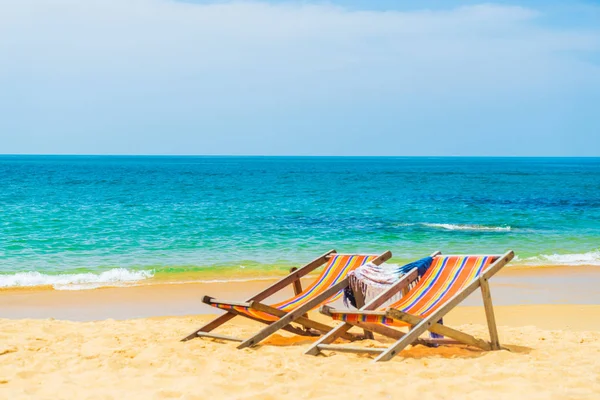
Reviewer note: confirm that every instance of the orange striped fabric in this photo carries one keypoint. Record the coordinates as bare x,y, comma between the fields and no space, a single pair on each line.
446,277
335,271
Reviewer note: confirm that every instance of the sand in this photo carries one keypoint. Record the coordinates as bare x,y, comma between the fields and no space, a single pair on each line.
555,354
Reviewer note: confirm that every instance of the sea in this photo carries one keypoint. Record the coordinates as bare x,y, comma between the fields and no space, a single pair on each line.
82,222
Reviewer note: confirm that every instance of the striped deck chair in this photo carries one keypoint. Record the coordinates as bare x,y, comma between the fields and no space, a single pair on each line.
448,281
327,287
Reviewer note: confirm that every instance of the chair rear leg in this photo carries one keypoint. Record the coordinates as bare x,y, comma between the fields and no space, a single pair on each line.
328,338
220,320
489,314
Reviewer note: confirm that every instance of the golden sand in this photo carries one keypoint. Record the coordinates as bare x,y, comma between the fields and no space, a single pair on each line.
555,354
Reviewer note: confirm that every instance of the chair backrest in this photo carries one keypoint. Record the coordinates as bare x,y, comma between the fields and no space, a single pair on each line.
446,277
336,269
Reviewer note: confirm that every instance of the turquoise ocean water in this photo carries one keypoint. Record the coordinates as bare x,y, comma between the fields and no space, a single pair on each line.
77,222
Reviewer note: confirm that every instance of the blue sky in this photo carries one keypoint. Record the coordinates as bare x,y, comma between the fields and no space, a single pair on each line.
300,78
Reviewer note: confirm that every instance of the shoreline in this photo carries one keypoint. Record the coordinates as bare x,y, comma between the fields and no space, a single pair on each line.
186,278
512,286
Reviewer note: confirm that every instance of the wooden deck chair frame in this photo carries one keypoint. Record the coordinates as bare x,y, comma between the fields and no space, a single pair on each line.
297,315
418,325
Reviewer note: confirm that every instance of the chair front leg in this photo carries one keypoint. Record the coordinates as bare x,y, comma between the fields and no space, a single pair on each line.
293,315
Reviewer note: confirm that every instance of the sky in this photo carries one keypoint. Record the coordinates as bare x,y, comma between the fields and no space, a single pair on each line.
358,77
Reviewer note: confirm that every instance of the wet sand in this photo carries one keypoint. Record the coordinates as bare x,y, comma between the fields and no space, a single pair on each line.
512,286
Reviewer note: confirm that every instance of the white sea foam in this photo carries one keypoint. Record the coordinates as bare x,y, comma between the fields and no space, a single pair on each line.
456,227
113,277
123,276
590,258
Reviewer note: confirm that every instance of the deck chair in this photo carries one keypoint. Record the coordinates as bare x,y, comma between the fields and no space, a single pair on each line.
327,287
448,281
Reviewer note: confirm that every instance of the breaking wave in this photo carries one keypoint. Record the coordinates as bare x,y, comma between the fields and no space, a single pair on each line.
590,258
113,277
453,227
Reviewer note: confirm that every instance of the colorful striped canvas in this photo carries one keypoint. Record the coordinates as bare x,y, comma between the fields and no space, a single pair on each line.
335,271
446,277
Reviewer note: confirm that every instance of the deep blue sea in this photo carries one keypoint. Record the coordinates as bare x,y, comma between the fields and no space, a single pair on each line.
88,221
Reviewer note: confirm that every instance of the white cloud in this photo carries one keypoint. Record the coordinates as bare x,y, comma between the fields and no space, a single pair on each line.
163,36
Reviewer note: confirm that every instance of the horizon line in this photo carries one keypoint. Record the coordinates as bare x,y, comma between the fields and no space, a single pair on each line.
279,155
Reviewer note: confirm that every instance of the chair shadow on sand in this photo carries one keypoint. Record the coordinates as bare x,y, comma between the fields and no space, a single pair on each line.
416,351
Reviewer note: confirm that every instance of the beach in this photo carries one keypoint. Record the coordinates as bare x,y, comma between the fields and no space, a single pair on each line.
143,358
100,350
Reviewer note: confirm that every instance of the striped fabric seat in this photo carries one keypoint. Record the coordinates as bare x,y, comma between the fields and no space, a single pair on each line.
337,269
447,276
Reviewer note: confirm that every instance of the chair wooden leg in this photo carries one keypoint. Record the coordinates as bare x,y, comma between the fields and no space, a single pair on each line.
294,315
360,303
404,341
489,314
304,321
328,338
440,329
220,320
380,329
